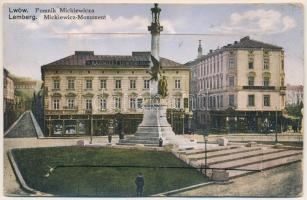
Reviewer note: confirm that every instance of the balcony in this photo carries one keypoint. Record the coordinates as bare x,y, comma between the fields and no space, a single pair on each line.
282,87
65,111
256,87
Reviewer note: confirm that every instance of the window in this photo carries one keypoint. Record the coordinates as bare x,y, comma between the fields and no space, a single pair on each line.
282,64
103,104
221,101
231,62
204,102
56,84
221,81
177,102
213,101
231,81
251,100
214,83
251,80
231,100
118,84
177,84
210,83
88,104
266,81
266,63
266,100
250,64
282,82
117,102
56,104
132,103
132,84
146,84
71,103
71,84
139,103
103,84
88,84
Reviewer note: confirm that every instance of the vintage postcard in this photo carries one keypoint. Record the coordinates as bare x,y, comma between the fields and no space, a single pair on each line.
153,99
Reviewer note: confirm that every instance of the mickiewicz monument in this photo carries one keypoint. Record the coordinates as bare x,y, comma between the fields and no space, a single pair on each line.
154,126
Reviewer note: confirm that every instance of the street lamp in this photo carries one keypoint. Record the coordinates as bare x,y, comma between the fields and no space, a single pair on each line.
276,125
49,124
90,117
182,117
206,141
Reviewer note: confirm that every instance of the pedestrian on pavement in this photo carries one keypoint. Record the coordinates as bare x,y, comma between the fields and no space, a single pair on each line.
139,182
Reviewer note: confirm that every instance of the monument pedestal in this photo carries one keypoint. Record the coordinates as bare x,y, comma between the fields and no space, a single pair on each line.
155,126
149,131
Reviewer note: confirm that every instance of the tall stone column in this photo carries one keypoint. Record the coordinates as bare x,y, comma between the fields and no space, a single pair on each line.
155,30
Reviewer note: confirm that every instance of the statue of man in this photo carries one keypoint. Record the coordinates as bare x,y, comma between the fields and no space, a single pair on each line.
155,70
162,90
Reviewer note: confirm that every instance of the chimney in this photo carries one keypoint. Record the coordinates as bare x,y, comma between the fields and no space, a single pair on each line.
84,53
211,51
200,50
244,39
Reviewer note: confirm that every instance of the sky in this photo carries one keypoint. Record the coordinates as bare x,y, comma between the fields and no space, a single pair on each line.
30,44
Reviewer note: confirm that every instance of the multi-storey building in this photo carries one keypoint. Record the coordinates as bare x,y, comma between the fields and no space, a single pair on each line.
24,90
8,98
239,86
294,94
86,90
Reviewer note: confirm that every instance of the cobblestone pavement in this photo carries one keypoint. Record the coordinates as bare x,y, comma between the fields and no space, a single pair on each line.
285,181
10,184
23,129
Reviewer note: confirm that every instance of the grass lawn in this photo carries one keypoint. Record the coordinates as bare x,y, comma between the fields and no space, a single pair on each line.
101,181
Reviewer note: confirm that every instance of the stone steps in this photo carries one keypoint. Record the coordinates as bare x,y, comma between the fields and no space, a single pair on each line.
240,156
256,159
143,137
133,144
200,151
264,165
222,153
139,141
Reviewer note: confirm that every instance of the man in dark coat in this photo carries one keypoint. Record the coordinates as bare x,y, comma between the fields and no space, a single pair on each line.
139,182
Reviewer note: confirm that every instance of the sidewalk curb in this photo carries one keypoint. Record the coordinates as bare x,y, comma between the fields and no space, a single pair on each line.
183,189
38,130
19,177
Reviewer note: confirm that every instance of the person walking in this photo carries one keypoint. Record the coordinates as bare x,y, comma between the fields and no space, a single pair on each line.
139,182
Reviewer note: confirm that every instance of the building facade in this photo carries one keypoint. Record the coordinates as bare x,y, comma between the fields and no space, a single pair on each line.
24,91
82,92
8,99
239,87
294,94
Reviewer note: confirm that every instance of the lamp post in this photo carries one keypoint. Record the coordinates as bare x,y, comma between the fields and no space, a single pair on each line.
91,120
49,126
206,141
276,125
110,131
182,118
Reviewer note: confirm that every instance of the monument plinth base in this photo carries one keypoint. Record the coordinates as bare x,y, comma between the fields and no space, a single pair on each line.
154,127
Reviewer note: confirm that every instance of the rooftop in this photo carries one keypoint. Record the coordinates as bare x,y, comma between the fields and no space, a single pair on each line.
89,59
244,43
